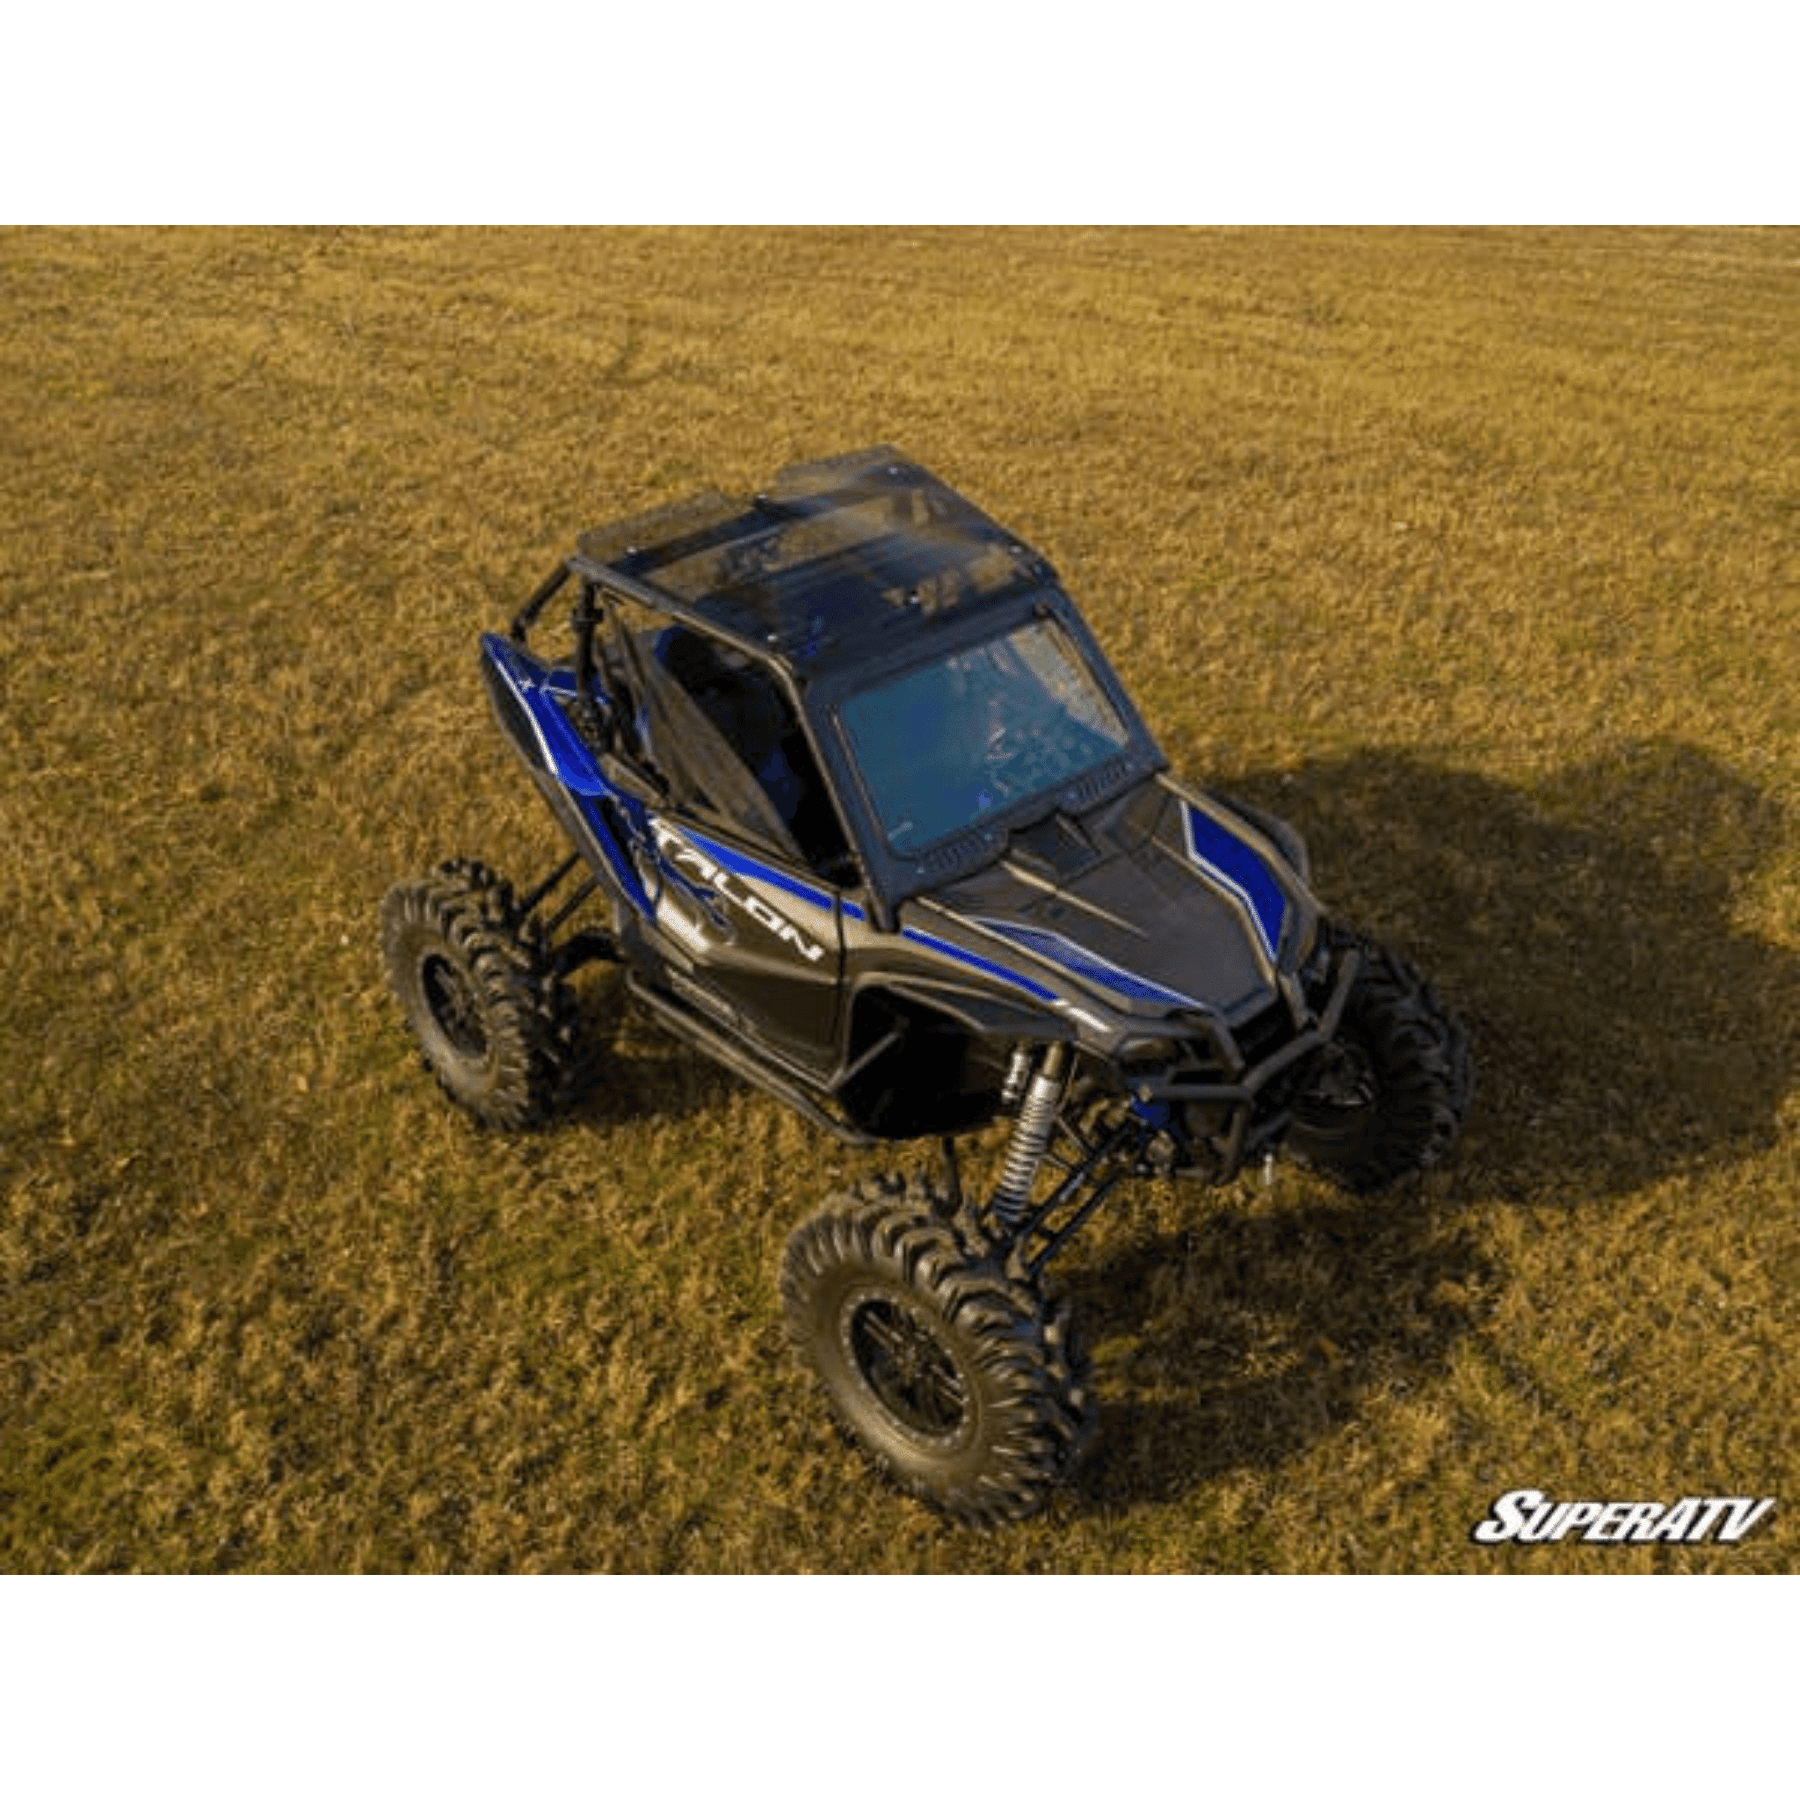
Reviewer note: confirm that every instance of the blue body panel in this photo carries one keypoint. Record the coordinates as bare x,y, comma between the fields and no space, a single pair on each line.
1235,867
529,699
1053,947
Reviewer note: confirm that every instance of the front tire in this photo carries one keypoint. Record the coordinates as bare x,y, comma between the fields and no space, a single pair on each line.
960,1380
494,1020
1389,1095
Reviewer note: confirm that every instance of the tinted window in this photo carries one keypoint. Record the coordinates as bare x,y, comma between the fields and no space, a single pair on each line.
978,733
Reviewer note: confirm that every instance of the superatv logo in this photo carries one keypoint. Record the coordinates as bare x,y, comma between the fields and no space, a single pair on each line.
694,862
1526,1516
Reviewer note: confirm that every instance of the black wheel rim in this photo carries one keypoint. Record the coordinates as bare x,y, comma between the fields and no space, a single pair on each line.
450,996
1341,1096
907,1367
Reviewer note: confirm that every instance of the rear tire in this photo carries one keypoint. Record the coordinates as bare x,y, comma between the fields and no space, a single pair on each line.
962,1381
1389,1095
494,1021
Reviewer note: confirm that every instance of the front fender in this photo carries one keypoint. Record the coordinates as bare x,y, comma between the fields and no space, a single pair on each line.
980,1015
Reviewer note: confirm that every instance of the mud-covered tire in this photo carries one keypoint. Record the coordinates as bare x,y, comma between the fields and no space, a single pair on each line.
494,1021
962,1381
1389,1097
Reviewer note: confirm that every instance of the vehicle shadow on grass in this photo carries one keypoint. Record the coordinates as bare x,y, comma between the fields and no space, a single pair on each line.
634,1070
1255,1333
1625,1027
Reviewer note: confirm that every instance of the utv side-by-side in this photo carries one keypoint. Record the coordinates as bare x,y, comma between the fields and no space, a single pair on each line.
862,812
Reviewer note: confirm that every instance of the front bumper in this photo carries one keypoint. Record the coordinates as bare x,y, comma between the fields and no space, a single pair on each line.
1218,1125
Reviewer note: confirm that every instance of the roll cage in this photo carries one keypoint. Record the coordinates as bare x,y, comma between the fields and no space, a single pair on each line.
848,578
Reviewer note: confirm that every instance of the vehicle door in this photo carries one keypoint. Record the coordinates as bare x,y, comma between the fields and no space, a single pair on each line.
750,922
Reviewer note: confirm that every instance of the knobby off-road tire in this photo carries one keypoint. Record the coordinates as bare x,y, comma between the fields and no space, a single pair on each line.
495,1023
964,1382
1393,1090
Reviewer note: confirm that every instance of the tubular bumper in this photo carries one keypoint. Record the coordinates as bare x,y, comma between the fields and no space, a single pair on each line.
1244,1132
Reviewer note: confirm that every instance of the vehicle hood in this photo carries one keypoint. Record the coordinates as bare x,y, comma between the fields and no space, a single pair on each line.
1162,901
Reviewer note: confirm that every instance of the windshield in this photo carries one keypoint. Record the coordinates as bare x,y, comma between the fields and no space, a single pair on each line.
943,747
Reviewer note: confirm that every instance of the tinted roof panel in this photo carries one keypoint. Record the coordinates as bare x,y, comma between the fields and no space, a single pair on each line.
833,552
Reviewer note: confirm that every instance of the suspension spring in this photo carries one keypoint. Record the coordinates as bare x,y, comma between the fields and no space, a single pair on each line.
1032,1131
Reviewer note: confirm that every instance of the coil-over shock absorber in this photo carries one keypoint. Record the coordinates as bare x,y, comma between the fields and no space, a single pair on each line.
1032,1130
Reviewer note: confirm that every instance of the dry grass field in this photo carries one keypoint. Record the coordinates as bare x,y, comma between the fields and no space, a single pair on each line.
1475,554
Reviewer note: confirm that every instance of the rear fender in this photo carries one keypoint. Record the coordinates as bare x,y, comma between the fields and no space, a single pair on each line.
604,817
528,699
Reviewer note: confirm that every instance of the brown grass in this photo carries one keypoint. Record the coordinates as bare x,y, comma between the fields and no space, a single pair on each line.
1473,553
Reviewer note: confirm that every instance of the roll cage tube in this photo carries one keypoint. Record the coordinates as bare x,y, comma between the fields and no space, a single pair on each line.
596,616
527,615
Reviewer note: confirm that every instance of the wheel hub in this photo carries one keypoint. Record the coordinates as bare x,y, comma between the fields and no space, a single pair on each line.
907,1367
450,995
1345,1078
